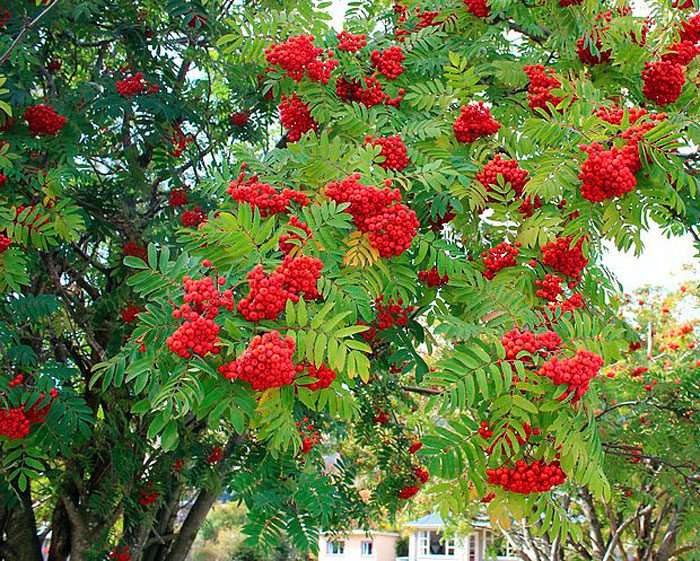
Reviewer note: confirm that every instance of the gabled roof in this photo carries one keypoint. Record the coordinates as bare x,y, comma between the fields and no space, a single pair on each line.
429,521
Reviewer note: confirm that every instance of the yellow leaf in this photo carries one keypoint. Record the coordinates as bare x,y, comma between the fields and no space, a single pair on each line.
360,252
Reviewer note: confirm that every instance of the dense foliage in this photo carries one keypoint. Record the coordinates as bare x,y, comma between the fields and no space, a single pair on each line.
233,240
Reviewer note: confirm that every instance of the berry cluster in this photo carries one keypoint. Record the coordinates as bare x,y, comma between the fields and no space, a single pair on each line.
178,141
509,170
178,197
3,177
43,120
388,62
517,341
608,173
135,85
586,47
215,455
381,417
239,118
296,117
298,58
268,294
133,249
370,94
542,82
5,242
198,333
683,53
147,496
569,305
575,372
484,431
474,121
663,81
324,375
392,313
536,477
379,212
419,478
690,30
550,287
263,196
565,3
120,554
432,278
129,314
478,8
415,446
286,245
563,258
191,218
310,437
393,151
499,257
350,42
4,16
615,114
266,363
16,422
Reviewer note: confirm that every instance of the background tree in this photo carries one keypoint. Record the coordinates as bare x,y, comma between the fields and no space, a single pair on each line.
426,233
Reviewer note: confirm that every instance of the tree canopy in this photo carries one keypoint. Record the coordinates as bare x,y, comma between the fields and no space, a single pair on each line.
319,270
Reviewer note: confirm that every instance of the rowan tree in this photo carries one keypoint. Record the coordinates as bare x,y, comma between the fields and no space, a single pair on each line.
232,238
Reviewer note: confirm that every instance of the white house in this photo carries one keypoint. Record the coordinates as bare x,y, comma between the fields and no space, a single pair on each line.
428,542
358,545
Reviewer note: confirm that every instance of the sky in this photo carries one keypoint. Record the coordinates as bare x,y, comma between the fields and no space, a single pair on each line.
662,260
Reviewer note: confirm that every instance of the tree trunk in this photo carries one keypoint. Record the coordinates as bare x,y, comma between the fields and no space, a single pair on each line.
22,542
60,534
190,527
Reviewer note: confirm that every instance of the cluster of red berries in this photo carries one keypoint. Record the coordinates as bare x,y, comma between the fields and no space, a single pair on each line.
683,53
391,313
135,85
690,30
393,151
16,381
509,170
266,363
524,478
3,177
298,57
350,42
324,375
191,218
5,242
574,302
4,17
575,372
542,82
475,121
615,114
518,341
129,314
565,3
388,61
16,422
420,477
263,196
178,197
379,212
215,455
198,333
563,258
550,287
381,417
286,245
120,554
370,94
484,431
147,496
134,249
43,120
310,437
426,18
415,446
239,118
478,8
432,278
296,117
585,47
293,278
499,257
663,81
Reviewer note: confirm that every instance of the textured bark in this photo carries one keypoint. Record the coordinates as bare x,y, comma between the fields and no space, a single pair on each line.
22,540
60,534
190,527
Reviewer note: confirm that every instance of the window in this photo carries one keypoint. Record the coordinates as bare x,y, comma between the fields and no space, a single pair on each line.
366,549
431,543
335,548
472,548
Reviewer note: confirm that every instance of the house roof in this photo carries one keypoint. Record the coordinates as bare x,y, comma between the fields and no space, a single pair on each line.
429,521
363,533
